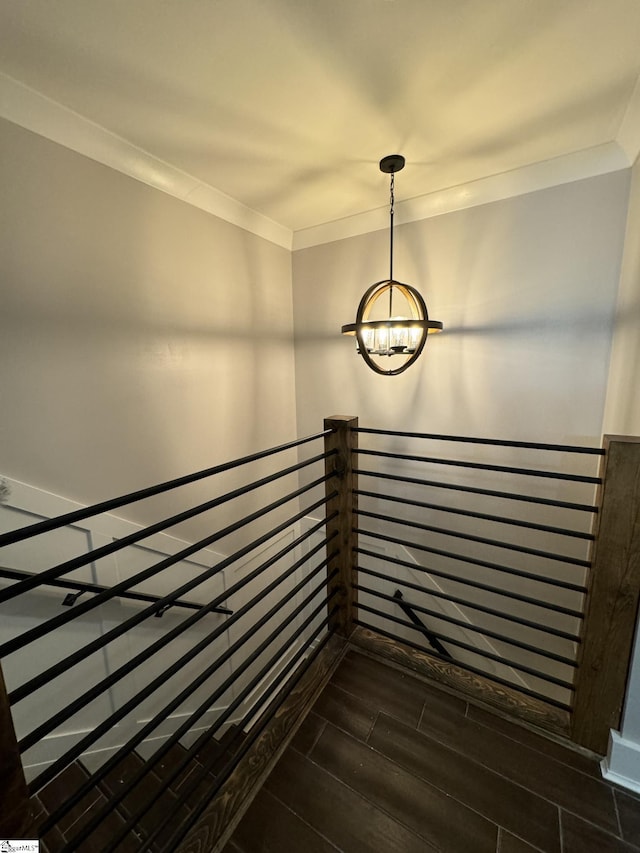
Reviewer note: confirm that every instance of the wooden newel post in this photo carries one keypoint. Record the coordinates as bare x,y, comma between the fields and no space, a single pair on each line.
614,591
15,810
339,445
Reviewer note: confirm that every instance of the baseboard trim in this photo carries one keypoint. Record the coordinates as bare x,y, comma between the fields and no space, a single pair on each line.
498,696
622,762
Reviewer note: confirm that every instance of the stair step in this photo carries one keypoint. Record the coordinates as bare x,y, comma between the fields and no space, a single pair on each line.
69,780
212,752
138,796
222,750
57,792
165,767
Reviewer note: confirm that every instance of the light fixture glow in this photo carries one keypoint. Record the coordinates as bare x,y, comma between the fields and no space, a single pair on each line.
380,332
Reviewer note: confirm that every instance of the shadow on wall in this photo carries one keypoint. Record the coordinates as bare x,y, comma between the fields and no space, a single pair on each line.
594,322
583,320
536,376
623,407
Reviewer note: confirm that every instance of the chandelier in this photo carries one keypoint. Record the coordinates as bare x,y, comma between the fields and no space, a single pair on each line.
382,329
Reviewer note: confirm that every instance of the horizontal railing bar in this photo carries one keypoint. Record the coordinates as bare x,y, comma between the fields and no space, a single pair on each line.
193,782
146,768
196,747
481,540
150,726
132,497
52,770
82,701
81,587
481,466
51,624
467,513
556,608
119,544
518,620
529,445
519,573
469,626
51,724
43,678
468,647
125,750
473,490
489,676
221,776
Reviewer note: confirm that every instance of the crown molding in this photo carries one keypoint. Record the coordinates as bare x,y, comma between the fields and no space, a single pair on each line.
33,111
588,163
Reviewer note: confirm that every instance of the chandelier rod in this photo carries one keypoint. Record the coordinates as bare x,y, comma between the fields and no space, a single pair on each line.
391,212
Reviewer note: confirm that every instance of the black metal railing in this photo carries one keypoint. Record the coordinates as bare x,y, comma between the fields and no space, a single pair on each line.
273,613
516,620
454,557
431,638
80,588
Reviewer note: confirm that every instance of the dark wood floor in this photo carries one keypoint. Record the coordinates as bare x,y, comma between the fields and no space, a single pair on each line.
387,762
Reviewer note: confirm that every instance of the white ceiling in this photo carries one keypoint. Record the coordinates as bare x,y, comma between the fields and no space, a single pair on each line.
288,105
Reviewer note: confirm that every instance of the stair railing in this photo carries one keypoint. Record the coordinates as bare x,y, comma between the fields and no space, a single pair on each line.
271,637
430,637
546,633
80,588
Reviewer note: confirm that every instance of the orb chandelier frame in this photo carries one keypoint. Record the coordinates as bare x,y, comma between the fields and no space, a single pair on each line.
391,336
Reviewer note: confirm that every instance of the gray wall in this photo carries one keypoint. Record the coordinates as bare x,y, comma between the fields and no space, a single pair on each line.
623,418
140,338
623,400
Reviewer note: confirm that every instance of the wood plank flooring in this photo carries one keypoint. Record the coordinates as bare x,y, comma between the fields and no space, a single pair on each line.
388,762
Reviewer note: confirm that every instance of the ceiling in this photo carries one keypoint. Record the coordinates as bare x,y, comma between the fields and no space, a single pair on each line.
287,106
